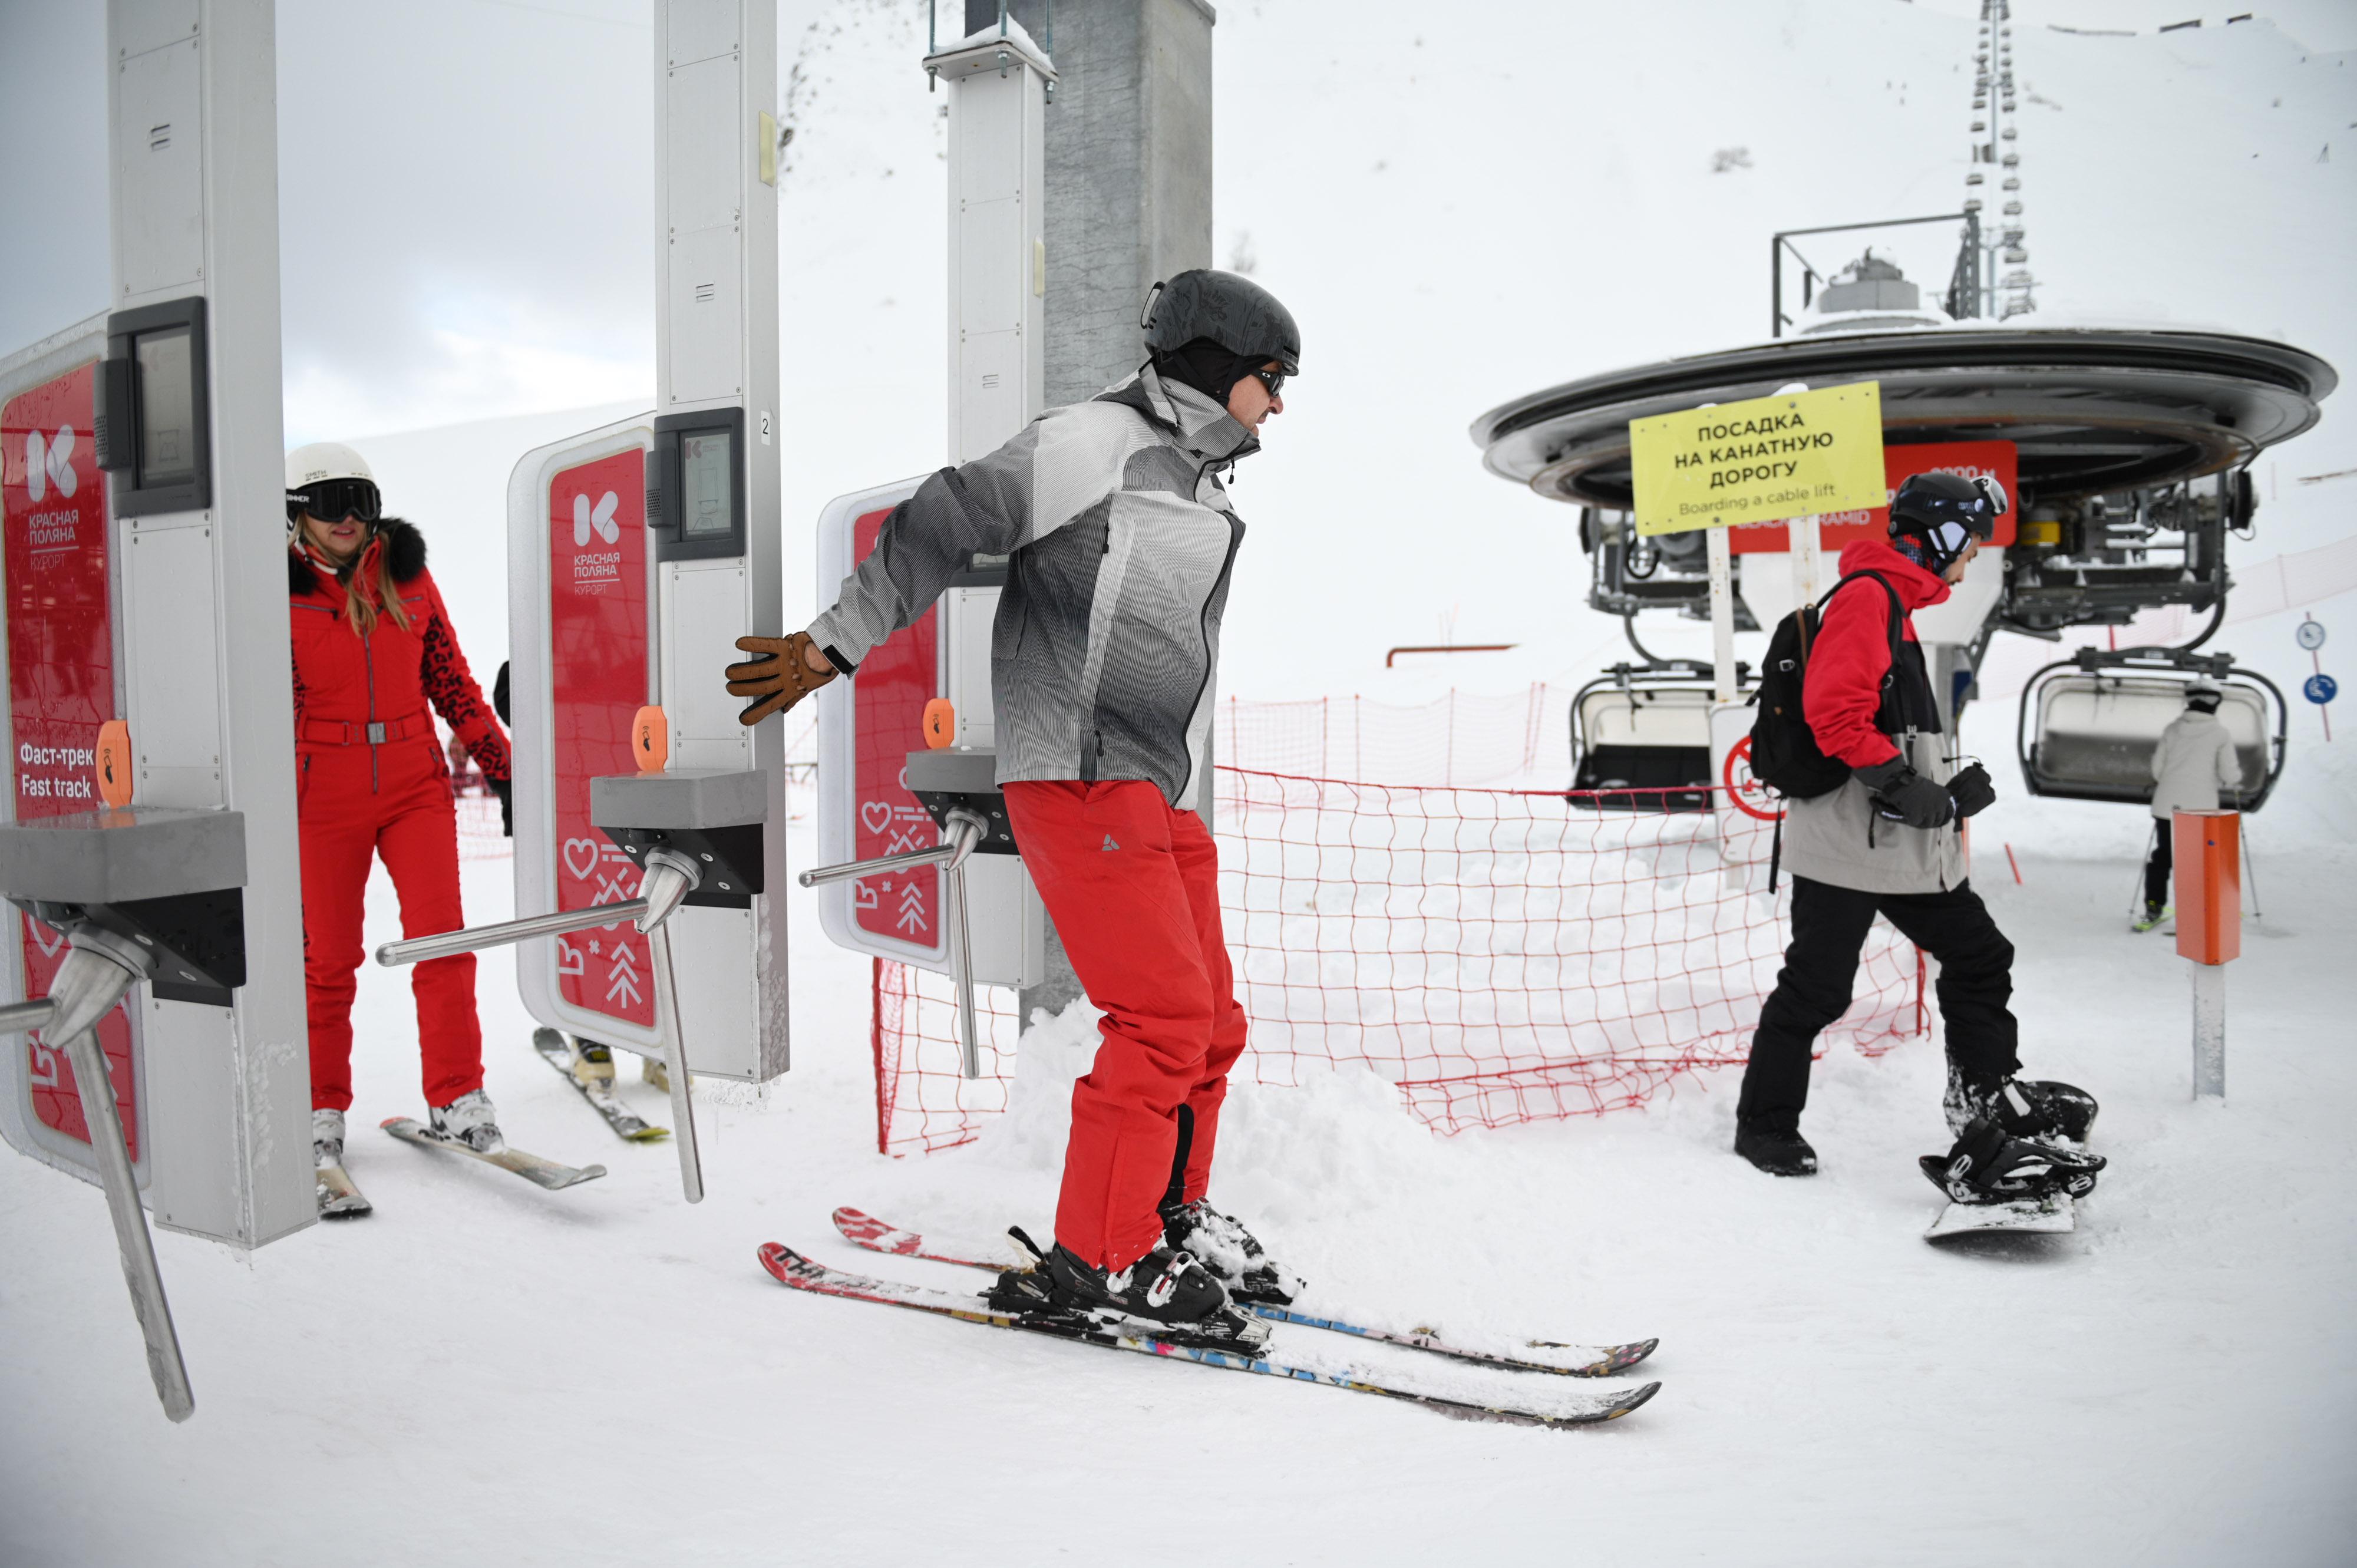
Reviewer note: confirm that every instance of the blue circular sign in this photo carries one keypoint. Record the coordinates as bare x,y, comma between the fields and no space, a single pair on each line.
2321,688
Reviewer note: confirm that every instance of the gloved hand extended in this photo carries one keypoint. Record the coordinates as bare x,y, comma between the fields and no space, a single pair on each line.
1972,790
781,677
1903,795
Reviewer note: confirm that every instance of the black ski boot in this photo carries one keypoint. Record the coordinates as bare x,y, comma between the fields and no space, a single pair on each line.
1232,1253
1166,1292
1990,1165
1775,1145
2052,1112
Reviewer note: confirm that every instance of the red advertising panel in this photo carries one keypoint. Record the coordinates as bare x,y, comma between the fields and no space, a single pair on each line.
61,678
597,659
896,681
1836,529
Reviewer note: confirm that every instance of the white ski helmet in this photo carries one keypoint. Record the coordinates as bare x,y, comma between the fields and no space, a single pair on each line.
328,476
308,465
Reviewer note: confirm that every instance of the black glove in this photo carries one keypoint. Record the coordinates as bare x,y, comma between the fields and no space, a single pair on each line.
1903,795
1972,791
504,788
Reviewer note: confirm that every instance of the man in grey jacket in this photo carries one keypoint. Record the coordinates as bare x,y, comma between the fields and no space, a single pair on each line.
2194,768
1120,537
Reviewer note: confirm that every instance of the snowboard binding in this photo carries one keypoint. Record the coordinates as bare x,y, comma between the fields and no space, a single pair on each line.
2036,1108
1988,1164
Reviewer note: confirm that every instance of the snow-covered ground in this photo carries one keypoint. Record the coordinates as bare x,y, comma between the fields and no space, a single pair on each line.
483,1372
1462,207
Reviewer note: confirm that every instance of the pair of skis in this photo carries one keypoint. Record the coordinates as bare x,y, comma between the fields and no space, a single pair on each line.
340,1198
1555,1406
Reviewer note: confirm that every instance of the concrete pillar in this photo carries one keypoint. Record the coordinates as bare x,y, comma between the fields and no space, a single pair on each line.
1129,202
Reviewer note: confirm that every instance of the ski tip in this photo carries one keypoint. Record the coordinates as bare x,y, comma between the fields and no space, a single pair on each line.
544,1038
648,1134
1624,1357
1632,1399
780,1262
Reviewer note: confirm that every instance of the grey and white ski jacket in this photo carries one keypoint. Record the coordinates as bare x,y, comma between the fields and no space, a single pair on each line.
1121,539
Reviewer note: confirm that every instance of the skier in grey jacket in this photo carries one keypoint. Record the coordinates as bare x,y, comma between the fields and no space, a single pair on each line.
1120,537
2194,768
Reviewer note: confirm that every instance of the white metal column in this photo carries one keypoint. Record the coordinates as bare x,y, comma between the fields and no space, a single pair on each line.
201,623
716,350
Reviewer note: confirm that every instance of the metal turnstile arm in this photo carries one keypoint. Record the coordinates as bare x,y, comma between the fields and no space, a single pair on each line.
962,830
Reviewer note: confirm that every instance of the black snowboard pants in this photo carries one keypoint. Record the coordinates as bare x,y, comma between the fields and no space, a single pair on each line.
1829,928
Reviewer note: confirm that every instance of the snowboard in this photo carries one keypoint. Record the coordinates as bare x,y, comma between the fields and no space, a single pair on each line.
626,1124
340,1198
541,1173
2054,1215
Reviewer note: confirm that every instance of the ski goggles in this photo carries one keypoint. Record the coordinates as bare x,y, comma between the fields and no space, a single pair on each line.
1992,492
332,500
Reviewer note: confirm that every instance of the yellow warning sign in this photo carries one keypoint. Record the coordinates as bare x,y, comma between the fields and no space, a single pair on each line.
1755,461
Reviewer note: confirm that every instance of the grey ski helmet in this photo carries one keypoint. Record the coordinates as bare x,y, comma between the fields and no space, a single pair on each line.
1231,310
1947,512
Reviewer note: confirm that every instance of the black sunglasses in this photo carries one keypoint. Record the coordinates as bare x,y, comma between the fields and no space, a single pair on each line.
1272,380
332,500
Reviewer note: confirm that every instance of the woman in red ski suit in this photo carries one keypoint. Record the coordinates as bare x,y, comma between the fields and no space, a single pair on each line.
373,647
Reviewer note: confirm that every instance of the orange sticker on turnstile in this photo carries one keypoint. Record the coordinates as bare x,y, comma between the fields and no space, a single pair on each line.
940,723
650,739
112,763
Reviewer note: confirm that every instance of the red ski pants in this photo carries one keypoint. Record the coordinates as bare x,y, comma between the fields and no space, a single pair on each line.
1133,887
394,800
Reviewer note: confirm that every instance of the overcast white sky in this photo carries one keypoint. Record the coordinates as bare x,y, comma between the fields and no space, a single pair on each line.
466,189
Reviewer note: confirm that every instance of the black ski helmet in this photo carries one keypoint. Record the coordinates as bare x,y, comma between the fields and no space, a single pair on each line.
1231,310
1947,511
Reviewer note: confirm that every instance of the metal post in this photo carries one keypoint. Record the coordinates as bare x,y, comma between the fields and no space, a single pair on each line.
2208,1031
96,1087
1722,616
1807,551
683,1104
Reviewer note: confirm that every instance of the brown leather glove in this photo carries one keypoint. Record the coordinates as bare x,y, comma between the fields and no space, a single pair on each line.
779,678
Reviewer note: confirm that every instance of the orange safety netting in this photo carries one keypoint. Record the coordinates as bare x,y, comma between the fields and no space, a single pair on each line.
1500,955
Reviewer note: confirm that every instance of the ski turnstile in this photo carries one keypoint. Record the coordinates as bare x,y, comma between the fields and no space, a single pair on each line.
697,838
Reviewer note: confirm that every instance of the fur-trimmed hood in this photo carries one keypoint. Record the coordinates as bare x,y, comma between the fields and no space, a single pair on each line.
404,548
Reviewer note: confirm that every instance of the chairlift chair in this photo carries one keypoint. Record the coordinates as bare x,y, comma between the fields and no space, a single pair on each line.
1638,730
2099,716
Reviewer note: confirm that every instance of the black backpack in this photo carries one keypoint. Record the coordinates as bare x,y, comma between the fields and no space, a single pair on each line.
1784,753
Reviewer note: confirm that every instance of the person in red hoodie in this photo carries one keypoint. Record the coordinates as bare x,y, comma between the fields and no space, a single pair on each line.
373,648
1887,842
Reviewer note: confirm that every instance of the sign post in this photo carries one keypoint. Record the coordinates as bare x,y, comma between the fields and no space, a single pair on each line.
2208,876
2319,688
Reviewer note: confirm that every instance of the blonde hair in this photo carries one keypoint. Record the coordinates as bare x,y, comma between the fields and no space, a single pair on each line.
358,609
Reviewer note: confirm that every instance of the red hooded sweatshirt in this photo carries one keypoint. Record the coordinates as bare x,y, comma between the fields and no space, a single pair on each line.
1842,695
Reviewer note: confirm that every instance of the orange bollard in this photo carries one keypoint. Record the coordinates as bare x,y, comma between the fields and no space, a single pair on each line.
2206,847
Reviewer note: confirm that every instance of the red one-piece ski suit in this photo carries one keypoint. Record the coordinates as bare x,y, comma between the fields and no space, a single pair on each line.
370,780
